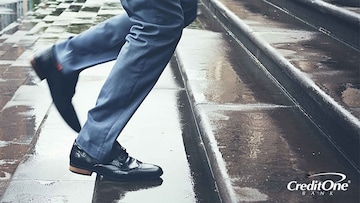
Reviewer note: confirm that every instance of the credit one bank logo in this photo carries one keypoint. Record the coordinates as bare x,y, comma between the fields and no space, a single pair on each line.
321,184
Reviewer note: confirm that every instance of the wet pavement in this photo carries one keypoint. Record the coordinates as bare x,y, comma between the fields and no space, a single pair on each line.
43,175
319,60
219,126
35,137
256,138
351,5
333,66
320,73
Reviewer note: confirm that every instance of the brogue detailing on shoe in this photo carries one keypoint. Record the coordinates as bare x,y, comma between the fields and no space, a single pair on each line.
121,167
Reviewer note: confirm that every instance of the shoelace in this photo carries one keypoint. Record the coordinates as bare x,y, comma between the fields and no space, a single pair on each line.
120,152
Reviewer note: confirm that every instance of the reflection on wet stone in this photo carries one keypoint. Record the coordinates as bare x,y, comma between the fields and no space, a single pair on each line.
75,8
273,150
16,126
101,18
91,9
110,191
58,11
351,97
16,132
78,28
111,6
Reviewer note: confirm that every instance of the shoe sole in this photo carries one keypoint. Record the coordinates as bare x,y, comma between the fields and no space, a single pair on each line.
80,171
86,172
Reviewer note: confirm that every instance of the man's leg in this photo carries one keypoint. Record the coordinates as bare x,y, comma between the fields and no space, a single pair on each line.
104,41
156,30
61,63
99,44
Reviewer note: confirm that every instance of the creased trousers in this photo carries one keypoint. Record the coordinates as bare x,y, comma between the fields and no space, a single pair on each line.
141,40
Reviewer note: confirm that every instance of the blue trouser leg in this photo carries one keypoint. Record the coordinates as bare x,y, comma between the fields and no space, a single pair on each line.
99,44
155,31
103,42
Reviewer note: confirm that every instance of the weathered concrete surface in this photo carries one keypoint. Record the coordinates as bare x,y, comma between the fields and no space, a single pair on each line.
319,73
154,135
256,139
34,134
17,119
332,66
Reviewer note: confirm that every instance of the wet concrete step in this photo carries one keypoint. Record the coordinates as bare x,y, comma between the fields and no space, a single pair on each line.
319,73
22,104
351,5
162,132
339,19
257,139
42,141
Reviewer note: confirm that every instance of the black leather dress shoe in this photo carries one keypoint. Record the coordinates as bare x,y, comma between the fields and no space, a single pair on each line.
119,167
62,88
